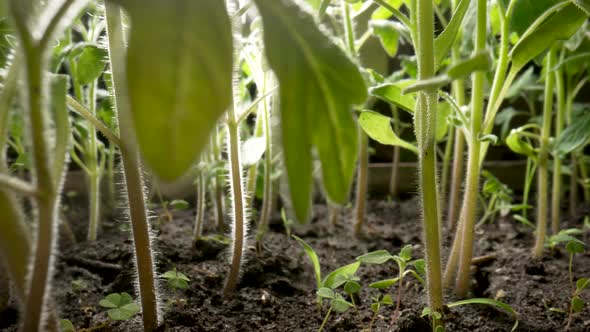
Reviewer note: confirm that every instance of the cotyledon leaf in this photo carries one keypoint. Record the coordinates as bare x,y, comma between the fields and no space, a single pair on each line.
559,26
179,66
319,84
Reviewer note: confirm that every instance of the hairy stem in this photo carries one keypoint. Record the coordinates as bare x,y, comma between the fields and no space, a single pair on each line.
393,181
573,196
15,242
239,215
584,175
425,124
444,186
528,180
458,150
47,200
95,171
473,166
239,222
218,181
559,122
132,172
542,169
362,181
267,189
201,192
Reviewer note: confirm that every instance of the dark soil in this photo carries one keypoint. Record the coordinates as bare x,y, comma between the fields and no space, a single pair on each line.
277,288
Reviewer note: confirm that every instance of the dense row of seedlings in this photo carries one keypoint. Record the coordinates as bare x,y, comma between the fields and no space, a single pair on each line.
172,109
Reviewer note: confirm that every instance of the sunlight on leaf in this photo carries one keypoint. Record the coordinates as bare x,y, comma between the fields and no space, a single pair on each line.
319,84
179,78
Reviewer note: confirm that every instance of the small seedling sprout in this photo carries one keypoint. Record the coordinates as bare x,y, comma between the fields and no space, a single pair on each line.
120,306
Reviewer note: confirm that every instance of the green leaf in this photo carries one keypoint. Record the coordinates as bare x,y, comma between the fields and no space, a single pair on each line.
525,12
66,325
384,283
111,301
519,145
583,5
392,93
176,279
352,287
325,293
375,307
124,313
524,80
315,101
406,253
478,62
489,302
574,136
387,299
378,127
91,63
388,35
489,138
577,304
349,269
382,13
444,41
252,150
179,204
59,86
340,305
575,247
582,283
559,26
313,257
523,220
179,70
177,284
420,266
375,257
429,84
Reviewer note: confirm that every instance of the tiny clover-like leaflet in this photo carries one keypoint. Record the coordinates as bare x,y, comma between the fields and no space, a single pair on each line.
121,306
176,280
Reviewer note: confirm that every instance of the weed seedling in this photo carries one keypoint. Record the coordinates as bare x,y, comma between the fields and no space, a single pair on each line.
403,261
335,278
575,246
120,306
176,280
79,285
378,302
337,303
577,304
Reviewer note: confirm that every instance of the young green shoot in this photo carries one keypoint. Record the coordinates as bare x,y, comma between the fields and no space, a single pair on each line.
176,281
577,305
404,262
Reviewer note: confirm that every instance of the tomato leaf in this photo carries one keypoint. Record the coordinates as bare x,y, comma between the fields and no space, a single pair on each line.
561,25
378,127
179,68
319,84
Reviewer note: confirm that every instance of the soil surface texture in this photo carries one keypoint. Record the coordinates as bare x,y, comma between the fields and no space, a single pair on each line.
277,287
